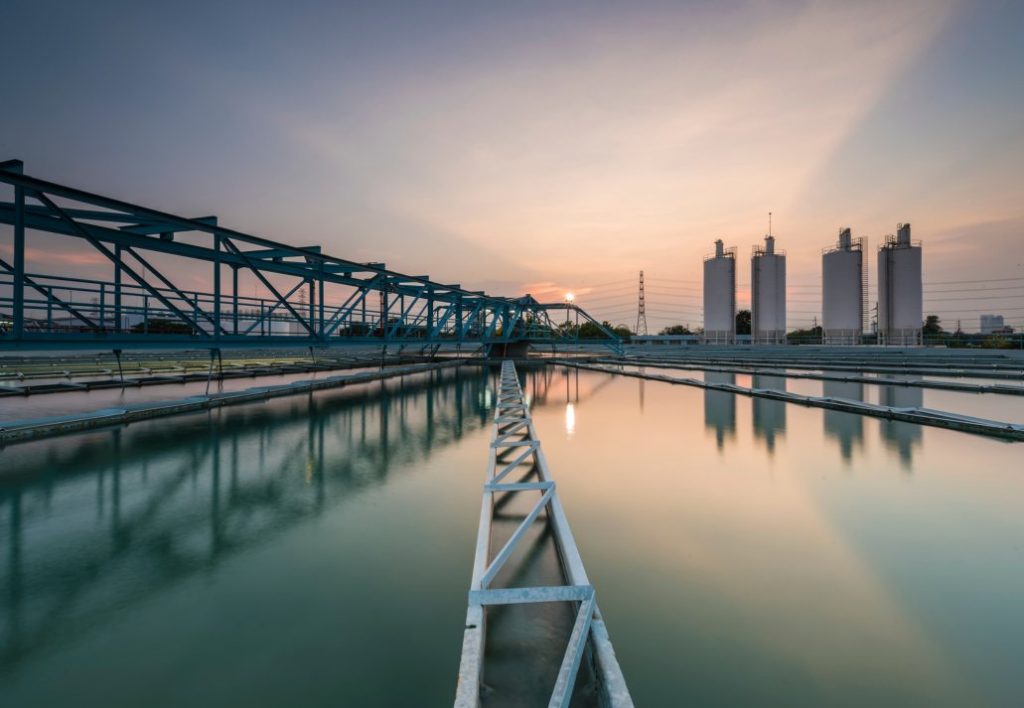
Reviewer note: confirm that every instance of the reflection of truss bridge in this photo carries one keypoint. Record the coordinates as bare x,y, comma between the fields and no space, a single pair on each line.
176,505
310,299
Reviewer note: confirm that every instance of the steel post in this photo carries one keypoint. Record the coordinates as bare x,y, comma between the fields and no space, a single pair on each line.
216,286
320,302
19,262
118,322
234,299
312,308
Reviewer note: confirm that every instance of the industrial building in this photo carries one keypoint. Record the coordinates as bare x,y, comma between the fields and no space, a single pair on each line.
768,294
720,296
900,311
989,323
843,288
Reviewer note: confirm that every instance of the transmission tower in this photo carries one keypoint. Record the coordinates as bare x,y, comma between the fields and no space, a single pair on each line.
641,310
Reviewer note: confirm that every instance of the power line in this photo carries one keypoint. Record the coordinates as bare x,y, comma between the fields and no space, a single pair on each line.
627,282
976,290
986,280
990,298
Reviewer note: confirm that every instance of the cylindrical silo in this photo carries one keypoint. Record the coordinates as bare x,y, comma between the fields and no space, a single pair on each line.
900,311
720,296
768,294
842,288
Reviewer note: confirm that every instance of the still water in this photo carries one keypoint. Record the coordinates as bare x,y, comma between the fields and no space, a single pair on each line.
317,550
311,551
51,404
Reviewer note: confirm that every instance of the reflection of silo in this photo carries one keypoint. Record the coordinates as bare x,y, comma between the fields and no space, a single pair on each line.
720,407
768,294
899,290
842,288
898,434
847,428
720,296
769,415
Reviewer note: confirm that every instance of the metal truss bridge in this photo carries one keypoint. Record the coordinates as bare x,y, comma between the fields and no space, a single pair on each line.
309,299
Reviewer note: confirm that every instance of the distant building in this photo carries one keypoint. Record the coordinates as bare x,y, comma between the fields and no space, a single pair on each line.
991,323
768,294
900,299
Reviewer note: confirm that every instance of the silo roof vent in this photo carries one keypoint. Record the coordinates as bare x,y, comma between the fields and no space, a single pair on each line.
845,239
903,234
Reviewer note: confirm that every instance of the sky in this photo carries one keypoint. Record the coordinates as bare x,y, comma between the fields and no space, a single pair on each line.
547,147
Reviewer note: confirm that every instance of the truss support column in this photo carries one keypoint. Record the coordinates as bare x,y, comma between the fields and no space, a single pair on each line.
430,314
216,287
321,322
458,319
234,298
312,307
103,307
19,262
118,322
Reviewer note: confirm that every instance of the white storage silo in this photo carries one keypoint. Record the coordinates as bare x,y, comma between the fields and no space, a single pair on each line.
842,288
720,296
899,290
768,294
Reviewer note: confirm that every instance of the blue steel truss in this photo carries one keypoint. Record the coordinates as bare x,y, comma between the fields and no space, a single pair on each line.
311,299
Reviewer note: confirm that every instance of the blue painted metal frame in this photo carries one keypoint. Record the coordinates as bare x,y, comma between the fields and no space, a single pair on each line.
151,311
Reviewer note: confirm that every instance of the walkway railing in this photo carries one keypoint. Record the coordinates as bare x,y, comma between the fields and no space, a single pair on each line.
515,450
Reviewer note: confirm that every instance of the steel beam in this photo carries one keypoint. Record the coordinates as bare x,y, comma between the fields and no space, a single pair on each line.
426,312
106,252
51,298
19,262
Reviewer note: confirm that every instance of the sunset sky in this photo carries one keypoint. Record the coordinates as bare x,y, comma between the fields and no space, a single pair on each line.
549,147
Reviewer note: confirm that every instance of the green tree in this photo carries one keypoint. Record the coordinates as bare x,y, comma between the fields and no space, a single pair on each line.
157,325
676,329
743,322
805,336
932,326
590,330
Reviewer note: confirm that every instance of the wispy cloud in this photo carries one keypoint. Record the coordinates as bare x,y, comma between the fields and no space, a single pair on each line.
624,144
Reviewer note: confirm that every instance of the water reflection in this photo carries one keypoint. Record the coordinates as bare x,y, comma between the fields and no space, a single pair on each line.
769,415
846,428
539,384
720,407
717,578
99,522
899,436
